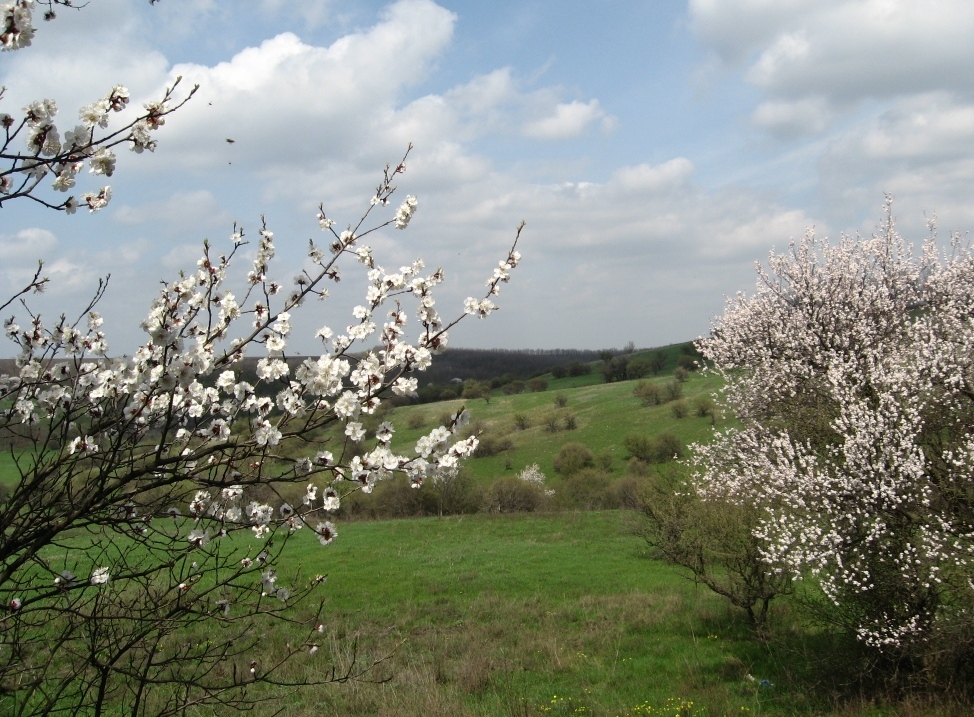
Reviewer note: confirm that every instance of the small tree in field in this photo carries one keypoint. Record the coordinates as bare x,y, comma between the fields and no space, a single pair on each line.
851,372
143,551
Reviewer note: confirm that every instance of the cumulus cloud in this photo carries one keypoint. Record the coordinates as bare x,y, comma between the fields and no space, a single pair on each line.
196,210
568,120
793,118
289,102
620,252
812,58
645,177
27,244
921,150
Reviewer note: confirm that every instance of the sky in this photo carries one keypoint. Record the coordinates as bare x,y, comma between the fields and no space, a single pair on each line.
655,149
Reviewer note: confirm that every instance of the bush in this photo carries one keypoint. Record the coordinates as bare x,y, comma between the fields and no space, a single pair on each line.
537,385
637,468
579,369
455,493
521,421
657,449
510,494
628,491
492,446
614,369
681,409
712,542
638,368
587,489
681,374
705,406
672,391
513,388
650,393
571,423
561,400
846,373
572,458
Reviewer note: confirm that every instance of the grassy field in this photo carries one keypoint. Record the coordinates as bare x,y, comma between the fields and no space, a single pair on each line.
549,614
558,614
604,415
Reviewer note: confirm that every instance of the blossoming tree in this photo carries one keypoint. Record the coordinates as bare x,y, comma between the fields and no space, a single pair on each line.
141,548
852,375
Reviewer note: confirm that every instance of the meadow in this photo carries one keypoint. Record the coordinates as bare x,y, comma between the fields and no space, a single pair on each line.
555,613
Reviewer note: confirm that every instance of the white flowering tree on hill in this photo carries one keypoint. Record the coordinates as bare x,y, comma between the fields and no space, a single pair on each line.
143,548
851,371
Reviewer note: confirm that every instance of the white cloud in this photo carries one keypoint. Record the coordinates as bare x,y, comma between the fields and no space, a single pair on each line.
313,13
28,245
196,210
921,150
568,120
651,178
838,53
792,118
285,102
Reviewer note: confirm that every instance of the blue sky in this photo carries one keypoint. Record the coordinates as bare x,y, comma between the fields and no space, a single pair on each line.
656,150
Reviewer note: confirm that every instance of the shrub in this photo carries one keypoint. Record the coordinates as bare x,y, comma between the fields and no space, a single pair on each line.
572,458
579,369
638,468
681,409
561,400
571,423
587,489
651,394
705,406
681,374
491,446
712,542
672,391
513,388
537,385
521,421
846,373
638,368
657,449
510,494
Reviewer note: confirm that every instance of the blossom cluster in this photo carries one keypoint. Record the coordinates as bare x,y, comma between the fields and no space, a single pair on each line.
851,372
46,153
182,403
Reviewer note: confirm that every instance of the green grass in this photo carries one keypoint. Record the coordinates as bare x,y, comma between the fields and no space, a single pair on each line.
546,614
8,469
605,414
